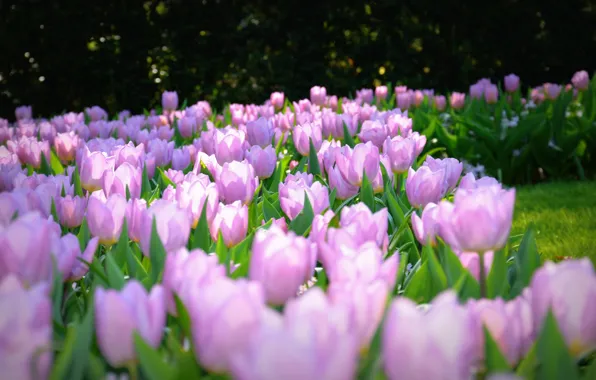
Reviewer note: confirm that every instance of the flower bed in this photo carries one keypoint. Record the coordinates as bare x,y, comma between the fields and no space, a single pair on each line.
279,241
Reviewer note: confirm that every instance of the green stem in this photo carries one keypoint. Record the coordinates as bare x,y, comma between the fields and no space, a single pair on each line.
132,371
482,276
398,181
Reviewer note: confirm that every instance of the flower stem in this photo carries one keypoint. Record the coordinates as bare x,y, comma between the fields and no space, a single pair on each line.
482,276
132,371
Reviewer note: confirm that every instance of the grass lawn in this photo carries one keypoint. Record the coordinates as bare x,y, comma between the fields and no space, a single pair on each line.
564,215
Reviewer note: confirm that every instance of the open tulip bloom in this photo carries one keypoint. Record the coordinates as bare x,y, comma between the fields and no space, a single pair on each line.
320,238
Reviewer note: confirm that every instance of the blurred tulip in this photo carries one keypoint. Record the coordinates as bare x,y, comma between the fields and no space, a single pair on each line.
281,262
303,134
457,100
71,210
511,83
118,314
491,94
23,112
381,92
172,223
260,132
453,169
373,131
229,146
401,153
318,95
25,330
169,100
124,177
425,186
237,182
581,80
292,192
262,160
426,227
277,99
92,167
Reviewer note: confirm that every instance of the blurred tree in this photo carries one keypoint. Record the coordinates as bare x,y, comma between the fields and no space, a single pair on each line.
121,54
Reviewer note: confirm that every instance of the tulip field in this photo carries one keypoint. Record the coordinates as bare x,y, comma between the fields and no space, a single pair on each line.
326,238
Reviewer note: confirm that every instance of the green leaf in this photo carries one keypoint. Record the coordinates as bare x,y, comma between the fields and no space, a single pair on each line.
45,166
527,367
553,354
348,140
187,367
165,180
76,180
301,224
54,212
84,234
114,273
222,252
590,371
201,237
183,317
367,195
451,264
399,218
428,281
494,359
467,287
313,161
269,211
157,254
145,185
134,265
55,164
152,365
497,277
74,356
120,252
300,166
527,260
57,293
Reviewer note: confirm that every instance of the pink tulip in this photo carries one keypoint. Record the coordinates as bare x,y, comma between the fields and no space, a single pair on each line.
401,153
71,210
511,83
172,223
353,164
453,169
237,182
373,131
23,113
26,332
92,167
381,92
291,196
457,100
260,132
277,99
425,186
303,134
229,146
581,80
262,160
118,314
169,100
231,221
125,176
318,95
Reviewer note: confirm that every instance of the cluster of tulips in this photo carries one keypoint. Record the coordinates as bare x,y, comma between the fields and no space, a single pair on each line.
275,241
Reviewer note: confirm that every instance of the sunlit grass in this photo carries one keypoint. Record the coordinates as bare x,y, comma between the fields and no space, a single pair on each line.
564,215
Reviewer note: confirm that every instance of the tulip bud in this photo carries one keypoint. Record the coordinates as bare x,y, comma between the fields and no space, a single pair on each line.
169,100
105,216
231,221
71,210
425,186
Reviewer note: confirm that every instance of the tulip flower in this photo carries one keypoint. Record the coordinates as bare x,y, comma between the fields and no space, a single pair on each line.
574,311
291,196
365,226
381,92
118,314
217,331
92,167
581,80
187,126
353,164
71,210
172,222
277,99
511,83
262,160
303,134
373,131
124,177
184,270
410,337
426,227
25,330
237,182
169,100
66,145
180,159
23,112
105,216
457,100
452,167
479,220
491,94
260,132
401,153
194,195
281,262
96,113
425,186
231,221
318,95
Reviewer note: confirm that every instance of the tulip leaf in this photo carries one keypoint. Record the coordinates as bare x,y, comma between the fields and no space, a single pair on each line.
553,354
145,185
84,234
301,224
74,356
494,360
201,237
222,252
183,316
166,181
157,254
399,218
121,250
467,287
55,164
114,273
451,264
152,365
45,167
332,196
526,368
527,260
348,140
134,265
590,371
497,277
300,167
53,211
425,283
313,161
187,367
367,195
178,139
269,211
76,180
57,293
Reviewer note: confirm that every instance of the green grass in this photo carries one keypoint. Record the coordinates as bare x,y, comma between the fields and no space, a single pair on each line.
564,215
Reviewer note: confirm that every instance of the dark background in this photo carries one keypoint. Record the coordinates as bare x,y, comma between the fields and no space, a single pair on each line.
66,55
